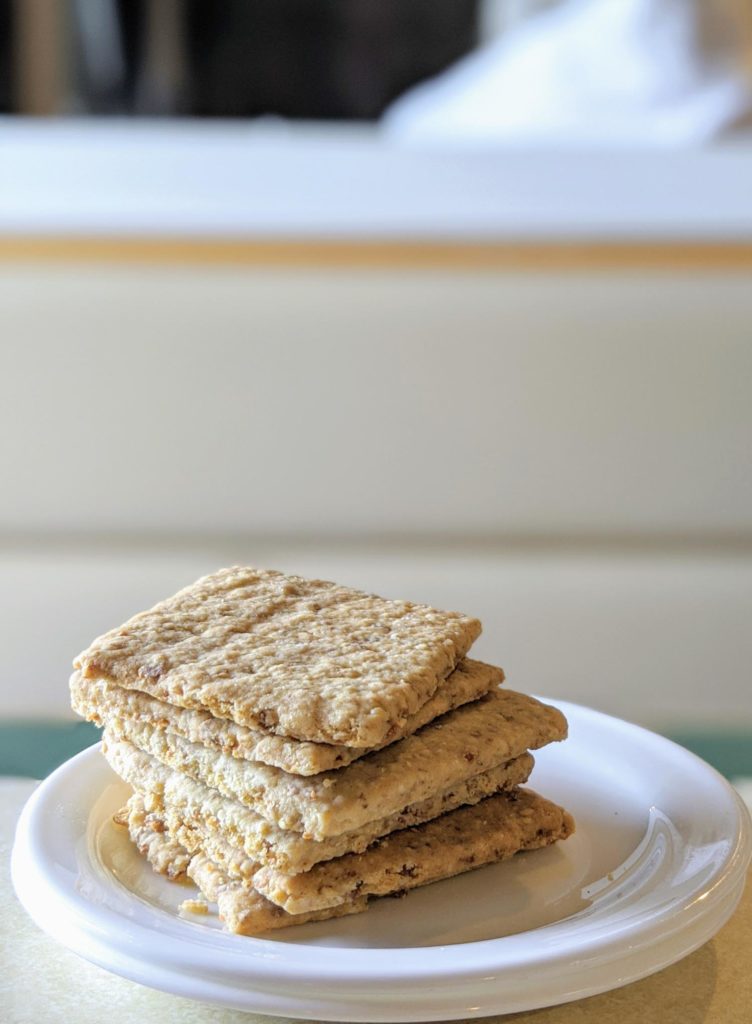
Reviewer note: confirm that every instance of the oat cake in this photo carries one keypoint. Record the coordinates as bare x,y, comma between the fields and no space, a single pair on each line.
179,799
99,700
306,659
473,738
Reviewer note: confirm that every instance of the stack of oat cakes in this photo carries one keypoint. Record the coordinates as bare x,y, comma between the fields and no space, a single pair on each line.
298,748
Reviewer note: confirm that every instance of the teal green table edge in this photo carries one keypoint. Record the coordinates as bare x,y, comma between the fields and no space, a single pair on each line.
34,749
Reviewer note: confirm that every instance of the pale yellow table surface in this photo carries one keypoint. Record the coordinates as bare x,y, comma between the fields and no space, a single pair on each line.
42,982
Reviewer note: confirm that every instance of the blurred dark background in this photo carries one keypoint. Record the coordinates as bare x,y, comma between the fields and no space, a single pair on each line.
320,59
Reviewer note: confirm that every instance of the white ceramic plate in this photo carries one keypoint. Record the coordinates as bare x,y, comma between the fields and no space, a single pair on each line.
656,866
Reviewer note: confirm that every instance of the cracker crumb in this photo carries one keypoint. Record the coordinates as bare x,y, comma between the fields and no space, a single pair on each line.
194,907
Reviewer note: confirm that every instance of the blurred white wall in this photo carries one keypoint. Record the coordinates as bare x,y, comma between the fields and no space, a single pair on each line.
333,403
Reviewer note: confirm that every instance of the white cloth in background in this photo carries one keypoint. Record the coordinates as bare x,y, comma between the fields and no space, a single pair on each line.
594,72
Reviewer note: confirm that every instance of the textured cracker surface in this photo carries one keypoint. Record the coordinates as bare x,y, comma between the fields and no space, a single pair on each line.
246,912
233,862
99,700
148,833
181,800
461,841
470,837
218,844
242,908
451,749
301,658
